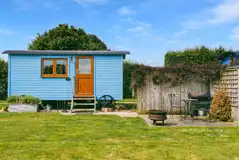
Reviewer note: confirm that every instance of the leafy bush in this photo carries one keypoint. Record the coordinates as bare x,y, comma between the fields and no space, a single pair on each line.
221,105
12,99
23,100
3,104
176,74
198,55
127,71
3,79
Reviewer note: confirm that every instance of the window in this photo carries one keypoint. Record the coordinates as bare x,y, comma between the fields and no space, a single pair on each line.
84,66
55,67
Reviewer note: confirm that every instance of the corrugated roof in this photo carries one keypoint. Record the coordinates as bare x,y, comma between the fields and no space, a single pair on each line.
65,52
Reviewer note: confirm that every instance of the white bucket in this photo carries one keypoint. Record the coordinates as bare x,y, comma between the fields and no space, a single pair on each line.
48,108
201,113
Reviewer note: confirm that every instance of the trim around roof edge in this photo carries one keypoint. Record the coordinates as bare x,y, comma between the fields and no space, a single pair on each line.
65,52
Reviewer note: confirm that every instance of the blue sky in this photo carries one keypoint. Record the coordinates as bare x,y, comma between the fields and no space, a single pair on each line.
147,28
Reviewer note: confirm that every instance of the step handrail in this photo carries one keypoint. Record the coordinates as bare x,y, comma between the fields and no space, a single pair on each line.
73,86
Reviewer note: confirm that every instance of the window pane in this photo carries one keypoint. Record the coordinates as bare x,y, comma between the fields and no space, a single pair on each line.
84,66
60,66
48,67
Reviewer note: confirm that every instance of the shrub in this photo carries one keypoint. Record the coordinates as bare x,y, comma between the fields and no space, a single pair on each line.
177,74
12,99
198,55
127,71
221,105
23,100
3,79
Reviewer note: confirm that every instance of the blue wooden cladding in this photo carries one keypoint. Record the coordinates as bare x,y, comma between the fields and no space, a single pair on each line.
109,76
25,76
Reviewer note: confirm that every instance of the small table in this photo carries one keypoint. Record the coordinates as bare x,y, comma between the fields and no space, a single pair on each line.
188,106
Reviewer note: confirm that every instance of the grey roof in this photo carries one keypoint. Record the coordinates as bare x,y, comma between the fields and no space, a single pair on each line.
76,52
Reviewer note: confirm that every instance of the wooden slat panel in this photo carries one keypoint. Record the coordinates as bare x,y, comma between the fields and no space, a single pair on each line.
151,96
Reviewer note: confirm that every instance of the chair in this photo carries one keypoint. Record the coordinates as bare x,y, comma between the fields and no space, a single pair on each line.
175,102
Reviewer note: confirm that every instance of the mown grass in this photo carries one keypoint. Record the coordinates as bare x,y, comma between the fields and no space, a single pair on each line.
128,100
87,137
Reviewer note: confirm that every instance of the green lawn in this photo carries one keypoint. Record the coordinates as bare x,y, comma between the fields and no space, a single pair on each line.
2,104
84,137
128,100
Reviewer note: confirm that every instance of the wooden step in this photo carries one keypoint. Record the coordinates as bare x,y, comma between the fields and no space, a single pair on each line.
75,110
83,104
84,98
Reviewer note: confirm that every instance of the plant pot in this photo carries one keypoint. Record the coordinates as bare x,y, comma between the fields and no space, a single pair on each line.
107,109
23,108
157,115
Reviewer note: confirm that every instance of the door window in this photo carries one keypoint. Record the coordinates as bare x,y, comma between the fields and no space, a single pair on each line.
84,66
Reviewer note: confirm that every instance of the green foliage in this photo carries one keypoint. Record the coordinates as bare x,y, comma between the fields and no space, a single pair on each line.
65,37
221,105
198,55
176,74
3,79
127,71
23,100
3,104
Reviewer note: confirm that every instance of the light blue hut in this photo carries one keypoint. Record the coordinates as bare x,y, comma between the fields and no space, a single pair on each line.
63,75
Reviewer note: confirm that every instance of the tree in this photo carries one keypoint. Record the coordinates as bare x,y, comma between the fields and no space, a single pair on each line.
65,37
3,79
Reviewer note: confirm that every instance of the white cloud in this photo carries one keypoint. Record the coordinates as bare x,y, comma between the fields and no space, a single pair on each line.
3,56
140,29
119,37
85,3
6,32
178,34
126,11
235,34
135,22
30,4
127,20
225,12
114,28
136,29
117,46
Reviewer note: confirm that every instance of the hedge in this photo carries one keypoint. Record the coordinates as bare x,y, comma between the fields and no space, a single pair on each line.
127,71
177,74
3,79
198,55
